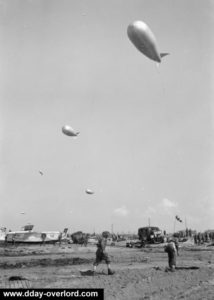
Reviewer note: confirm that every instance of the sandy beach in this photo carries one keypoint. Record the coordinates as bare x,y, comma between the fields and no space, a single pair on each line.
107,129
139,273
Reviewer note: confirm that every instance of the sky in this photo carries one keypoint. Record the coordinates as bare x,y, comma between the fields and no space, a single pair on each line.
146,133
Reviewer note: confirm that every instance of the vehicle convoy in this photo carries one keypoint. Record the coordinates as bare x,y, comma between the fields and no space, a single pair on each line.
150,235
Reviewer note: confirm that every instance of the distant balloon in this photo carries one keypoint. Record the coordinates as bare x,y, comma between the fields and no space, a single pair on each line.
68,130
41,173
88,191
22,213
144,40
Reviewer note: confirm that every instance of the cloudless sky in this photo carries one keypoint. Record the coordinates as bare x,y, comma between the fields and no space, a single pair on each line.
146,133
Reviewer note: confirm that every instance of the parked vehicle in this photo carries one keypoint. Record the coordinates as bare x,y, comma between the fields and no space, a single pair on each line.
151,235
80,238
27,235
134,244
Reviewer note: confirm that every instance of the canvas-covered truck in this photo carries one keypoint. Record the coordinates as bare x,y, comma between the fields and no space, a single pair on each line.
80,238
150,235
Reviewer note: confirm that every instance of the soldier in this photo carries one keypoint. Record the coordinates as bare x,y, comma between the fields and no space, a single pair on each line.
195,239
43,237
199,238
101,254
170,248
60,238
176,245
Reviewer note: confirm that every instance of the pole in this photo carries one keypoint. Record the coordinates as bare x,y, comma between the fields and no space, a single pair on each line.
185,223
112,228
174,225
186,233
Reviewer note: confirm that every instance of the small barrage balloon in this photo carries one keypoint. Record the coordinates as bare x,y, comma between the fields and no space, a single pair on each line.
90,192
68,130
144,40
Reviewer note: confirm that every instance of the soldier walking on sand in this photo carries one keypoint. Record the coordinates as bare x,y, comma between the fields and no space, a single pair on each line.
170,248
101,255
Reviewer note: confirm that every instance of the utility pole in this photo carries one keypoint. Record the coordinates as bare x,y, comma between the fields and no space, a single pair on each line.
187,233
112,228
174,224
149,222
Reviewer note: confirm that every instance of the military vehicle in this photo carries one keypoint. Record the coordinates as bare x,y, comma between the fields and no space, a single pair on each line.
150,235
28,235
80,238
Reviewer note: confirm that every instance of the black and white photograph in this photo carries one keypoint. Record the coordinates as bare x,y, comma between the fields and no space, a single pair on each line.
107,148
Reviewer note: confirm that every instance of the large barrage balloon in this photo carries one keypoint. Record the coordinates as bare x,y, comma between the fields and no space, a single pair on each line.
88,191
144,40
68,130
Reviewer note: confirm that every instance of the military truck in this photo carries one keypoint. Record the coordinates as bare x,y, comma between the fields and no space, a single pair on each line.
150,235
80,238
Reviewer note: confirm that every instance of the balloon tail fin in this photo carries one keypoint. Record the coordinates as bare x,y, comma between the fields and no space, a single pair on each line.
163,54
